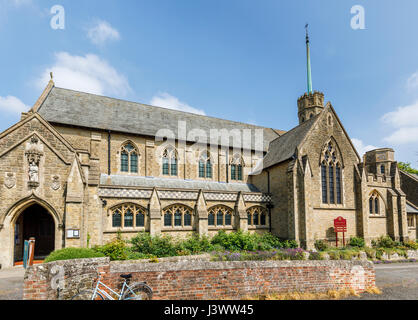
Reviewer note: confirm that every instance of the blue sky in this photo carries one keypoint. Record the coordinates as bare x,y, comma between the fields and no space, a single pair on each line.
236,59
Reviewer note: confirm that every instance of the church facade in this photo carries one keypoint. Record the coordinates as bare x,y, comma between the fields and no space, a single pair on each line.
79,168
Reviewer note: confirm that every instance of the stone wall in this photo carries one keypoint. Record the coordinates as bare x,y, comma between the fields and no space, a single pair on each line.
182,280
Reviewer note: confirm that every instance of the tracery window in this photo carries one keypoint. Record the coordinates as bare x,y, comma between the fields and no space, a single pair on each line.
256,216
220,216
170,162
177,216
374,203
236,165
128,215
129,158
205,165
331,175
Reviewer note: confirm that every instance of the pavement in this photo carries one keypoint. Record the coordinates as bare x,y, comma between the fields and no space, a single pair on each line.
397,281
11,283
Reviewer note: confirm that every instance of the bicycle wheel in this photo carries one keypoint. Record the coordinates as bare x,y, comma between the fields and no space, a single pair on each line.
138,291
87,295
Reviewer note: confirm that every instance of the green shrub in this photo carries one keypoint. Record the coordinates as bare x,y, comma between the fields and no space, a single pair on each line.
334,255
385,242
72,253
316,256
115,250
195,244
356,242
411,245
371,253
159,246
321,245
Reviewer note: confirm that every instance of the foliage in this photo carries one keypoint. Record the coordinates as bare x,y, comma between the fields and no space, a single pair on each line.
384,242
280,254
406,166
159,246
356,242
72,253
115,250
195,244
411,245
314,255
321,245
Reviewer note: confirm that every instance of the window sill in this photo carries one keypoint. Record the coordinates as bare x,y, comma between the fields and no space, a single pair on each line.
377,216
213,228
126,230
180,228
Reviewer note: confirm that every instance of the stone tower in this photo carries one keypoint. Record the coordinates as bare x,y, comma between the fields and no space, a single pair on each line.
310,105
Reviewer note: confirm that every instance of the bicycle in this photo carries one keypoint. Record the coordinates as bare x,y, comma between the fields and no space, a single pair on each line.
137,291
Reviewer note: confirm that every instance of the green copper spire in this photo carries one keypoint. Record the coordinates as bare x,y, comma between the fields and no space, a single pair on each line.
308,57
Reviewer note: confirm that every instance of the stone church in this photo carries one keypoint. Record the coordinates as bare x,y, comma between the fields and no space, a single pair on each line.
79,168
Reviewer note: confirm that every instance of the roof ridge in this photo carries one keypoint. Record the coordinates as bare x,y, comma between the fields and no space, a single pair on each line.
172,110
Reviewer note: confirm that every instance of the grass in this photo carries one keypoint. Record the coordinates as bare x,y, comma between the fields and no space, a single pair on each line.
329,295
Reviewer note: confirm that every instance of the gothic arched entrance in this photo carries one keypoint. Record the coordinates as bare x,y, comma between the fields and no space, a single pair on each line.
34,222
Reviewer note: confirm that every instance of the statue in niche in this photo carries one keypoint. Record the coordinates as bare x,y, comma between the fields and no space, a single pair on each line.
34,154
33,171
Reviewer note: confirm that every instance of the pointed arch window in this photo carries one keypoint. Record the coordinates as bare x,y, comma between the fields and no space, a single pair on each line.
128,215
129,158
205,165
236,165
220,216
331,175
257,216
374,203
178,216
170,162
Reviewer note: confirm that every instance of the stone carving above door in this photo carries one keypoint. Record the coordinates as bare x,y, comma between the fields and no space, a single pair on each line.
10,180
56,183
33,154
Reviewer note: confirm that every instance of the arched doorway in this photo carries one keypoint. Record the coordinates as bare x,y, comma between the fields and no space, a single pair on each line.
34,222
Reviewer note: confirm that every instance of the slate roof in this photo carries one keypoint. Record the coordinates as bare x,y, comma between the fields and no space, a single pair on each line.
410,208
64,106
284,147
168,183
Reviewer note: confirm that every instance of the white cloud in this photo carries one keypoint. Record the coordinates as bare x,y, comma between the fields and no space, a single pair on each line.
102,32
87,73
361,147
403,116
166,100
12,104
404,119
403,136
412,82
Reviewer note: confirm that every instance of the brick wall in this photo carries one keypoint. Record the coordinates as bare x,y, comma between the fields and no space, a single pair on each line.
204,279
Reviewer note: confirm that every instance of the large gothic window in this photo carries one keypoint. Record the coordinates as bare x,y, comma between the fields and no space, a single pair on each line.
220,216
205,165
170,162
236,166
256,216
129,158
177,216
128,215
331,175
